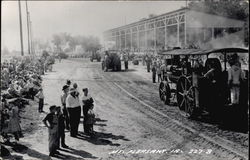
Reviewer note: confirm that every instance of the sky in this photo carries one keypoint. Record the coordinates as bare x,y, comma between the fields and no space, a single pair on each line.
74,17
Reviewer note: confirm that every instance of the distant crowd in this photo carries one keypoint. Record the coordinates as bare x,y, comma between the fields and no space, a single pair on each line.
21,81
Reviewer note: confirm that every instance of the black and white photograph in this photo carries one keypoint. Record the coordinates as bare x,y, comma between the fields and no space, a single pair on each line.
124,80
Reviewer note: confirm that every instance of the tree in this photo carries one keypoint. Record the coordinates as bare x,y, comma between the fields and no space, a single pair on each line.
73,42
61,40
58,41
45,54
90,44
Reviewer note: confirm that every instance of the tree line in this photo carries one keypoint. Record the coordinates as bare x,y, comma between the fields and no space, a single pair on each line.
87,43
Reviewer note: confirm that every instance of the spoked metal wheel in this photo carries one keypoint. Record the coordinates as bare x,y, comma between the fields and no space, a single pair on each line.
164,92
185,96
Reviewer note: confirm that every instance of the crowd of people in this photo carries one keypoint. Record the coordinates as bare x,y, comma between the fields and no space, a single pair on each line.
20,82
67,116
154,64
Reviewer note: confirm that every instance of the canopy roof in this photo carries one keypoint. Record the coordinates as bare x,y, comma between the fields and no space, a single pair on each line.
203,52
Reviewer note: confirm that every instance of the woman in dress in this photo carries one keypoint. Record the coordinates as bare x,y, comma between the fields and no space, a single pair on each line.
14,121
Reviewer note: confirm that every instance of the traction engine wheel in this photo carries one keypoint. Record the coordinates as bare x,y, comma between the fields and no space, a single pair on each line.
164,92
185,96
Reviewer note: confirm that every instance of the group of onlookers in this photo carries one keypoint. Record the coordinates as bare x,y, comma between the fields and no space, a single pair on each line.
154,64
67,116
20,80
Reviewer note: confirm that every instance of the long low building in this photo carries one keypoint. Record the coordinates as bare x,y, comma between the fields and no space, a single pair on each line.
180,28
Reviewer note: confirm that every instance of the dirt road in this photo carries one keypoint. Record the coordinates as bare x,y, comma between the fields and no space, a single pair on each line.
132,122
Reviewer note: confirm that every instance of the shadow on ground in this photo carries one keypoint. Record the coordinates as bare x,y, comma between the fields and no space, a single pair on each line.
102,138
81,153
100,120
22,149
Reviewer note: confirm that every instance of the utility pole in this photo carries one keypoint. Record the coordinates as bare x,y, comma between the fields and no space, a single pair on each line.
31,39
21,30
185,25
28,24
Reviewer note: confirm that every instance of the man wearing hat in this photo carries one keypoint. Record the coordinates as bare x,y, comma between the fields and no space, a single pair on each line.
74,109
65,90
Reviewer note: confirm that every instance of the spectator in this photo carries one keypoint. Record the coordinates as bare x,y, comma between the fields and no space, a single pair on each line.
52,125
14,121
154,69
40,96
87,101
61,127
90,120
158,70
74,109
65,90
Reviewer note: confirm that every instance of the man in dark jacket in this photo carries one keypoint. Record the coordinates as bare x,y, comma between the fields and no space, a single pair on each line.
61,128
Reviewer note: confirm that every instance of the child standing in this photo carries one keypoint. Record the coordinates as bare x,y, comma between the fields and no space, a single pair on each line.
61,127
40,96
90,120
87,101
14,121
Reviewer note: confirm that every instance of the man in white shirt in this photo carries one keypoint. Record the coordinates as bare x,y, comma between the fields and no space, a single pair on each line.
74,109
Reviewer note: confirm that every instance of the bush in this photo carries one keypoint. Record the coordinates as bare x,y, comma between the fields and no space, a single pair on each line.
50,60
63,55
45,54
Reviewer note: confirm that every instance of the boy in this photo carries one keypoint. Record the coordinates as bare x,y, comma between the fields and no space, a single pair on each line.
53,130
90,120
87,101
40,96
61,127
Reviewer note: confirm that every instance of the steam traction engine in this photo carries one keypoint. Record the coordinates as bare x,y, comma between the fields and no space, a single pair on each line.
184,79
